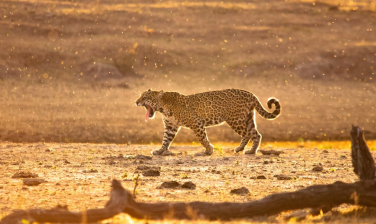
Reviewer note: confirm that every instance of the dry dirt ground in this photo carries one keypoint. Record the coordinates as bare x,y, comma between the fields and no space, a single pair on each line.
78,175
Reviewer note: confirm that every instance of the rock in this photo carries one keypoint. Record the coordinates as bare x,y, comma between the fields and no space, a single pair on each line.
318,168
106,75
284,177
100,71
189,185
110,162
144,167
170,184
142,157
271,152
151,173
33,181
24,174
261,177
240,191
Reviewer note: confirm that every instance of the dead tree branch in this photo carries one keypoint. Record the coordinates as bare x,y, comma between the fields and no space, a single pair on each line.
118,201
122,200
363,163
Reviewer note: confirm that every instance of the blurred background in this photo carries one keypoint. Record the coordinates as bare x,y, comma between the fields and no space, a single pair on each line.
70,71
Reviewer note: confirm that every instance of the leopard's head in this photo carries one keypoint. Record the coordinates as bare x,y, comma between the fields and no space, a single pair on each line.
151,101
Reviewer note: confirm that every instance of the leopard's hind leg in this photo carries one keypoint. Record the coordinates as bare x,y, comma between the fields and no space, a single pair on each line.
253,133
239,127
256,140
247,129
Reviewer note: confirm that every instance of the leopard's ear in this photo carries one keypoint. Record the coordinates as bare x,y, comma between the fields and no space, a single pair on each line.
160,94
149,90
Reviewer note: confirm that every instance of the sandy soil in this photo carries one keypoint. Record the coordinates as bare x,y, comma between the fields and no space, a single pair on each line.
78,175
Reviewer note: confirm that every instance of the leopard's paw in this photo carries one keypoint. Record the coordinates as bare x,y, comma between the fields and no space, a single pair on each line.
250,152
238,149
157,152
167,153
209,150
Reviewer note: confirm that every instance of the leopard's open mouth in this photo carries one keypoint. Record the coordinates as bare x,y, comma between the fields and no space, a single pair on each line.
149,112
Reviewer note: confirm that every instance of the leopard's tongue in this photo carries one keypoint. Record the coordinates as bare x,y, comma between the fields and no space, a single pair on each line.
147,113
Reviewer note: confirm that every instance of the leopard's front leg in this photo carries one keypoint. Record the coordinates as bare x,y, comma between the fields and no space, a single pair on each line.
171,129
201,135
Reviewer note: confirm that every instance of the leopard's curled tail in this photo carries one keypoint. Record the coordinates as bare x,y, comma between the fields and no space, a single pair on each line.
264,113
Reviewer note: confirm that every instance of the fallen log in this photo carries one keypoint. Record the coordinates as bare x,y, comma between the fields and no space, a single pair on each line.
122,200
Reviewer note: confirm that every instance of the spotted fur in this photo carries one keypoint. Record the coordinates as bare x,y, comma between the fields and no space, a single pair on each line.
198,111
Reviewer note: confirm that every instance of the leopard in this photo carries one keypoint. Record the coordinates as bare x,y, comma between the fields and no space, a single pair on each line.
198,111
